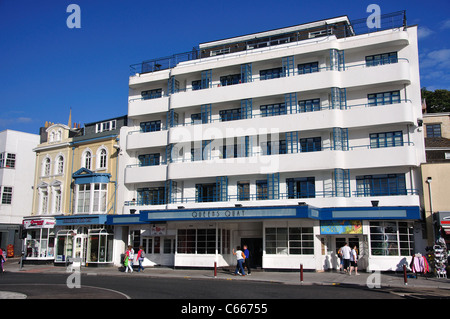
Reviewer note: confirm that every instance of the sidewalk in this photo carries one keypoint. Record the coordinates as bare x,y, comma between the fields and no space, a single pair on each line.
370,280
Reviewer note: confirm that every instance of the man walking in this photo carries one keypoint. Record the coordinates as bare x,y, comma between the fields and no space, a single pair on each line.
247,260
346,253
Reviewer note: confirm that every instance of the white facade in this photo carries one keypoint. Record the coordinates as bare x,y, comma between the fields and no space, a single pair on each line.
313,123
17,165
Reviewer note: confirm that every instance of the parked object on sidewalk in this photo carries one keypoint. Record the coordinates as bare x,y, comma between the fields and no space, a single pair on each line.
440,258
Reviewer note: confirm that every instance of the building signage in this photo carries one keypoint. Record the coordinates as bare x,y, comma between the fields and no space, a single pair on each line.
80,220
336,227
38,223
231,213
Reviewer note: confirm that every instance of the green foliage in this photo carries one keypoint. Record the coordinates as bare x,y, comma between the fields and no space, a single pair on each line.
437,101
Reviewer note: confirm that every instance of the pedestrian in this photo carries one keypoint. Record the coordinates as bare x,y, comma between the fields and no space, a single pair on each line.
240,257
354,261
129,256
341,260
346,252
140,258
247,260
2,260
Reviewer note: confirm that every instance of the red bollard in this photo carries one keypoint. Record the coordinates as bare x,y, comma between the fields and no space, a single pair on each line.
405,277
215,269
301,273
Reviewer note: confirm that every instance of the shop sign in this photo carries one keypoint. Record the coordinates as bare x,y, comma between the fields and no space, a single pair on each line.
340,227
38,223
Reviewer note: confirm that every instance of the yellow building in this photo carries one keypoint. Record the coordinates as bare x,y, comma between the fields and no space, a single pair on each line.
82,232
436,176
51,190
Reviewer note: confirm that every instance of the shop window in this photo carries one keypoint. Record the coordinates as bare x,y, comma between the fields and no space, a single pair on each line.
40,243
290,241
202,241
100,246
391,238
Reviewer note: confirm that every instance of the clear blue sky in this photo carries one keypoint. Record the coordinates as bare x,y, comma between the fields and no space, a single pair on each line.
46,68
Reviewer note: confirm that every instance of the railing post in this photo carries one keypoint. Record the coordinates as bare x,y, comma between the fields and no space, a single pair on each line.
215,269
301,273
405,277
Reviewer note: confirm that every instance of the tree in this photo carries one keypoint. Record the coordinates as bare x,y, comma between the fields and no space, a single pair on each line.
437,101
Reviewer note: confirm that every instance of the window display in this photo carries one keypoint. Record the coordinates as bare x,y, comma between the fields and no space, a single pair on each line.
100,246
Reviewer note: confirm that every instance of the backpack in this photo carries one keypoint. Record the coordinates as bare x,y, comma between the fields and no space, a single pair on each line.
142,254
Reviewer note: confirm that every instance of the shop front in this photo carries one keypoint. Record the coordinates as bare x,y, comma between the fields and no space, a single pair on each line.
279,237
85,237
444,226
39,241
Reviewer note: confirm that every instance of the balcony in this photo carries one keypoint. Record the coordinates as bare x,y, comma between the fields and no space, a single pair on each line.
139,140
135,174
139,106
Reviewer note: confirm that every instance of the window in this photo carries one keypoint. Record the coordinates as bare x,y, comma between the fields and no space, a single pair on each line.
44,200
152,126
84,198
58,200
151,196
388,139
270,74
261,190
87,160
230,115
149,159
151,94
381,185
273,109
100,193
47,167
309,105
301,187
196,85
103,158
105,126
433,130
274,147
290,241
311,144
230,79
10,160
391,238
381,59
384,98
203,241
308,68
243,190
6,195
205,193
60,165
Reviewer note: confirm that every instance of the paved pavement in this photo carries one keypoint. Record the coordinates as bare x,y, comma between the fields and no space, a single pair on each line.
370,280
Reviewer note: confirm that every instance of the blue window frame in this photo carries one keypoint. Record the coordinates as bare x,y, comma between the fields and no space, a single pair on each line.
301,187
381,185
309,105
273,109
271,74
383,98
196,85
151,94
274,147
381,59
149,159
151,196
151,126
261,190
433,130
230,79
386,139
305,68
230,115
311,144
243,190
205,193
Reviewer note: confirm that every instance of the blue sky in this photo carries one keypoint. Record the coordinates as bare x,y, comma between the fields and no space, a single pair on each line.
47,68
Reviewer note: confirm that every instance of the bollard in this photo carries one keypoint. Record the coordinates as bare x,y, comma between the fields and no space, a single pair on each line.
215,269
405,277
301,273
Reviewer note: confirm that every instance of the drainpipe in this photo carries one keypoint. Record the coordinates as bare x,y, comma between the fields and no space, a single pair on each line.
70,198
429,180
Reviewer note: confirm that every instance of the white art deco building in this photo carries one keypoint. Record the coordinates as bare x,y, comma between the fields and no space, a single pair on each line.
292,141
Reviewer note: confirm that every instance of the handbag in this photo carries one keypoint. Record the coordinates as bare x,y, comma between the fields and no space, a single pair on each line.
125,263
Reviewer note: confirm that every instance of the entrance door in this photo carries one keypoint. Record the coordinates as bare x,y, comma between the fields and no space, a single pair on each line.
255,247
80,242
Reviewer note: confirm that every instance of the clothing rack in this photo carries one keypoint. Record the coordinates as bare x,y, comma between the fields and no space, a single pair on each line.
419,264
